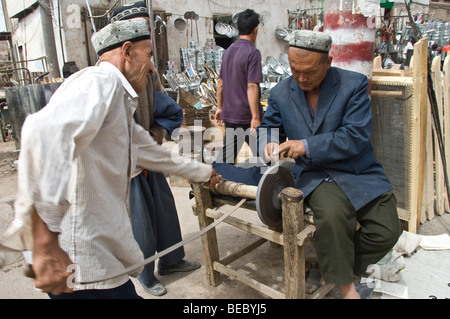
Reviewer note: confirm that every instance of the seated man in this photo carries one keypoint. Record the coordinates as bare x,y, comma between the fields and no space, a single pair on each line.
326,115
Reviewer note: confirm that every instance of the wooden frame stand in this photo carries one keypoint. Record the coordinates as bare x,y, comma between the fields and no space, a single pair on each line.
293,237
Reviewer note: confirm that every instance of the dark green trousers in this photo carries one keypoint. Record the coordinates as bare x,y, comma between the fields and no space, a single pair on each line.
341,250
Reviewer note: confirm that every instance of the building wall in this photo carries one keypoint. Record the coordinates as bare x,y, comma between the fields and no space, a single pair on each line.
73,38
72,29
440,10
15,7
28,39
266,42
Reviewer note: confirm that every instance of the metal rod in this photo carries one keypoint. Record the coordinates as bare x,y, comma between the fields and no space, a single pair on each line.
90,15
170,249
152,31
437,127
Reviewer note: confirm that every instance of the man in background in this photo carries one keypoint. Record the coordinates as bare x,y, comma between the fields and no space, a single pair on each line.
238,91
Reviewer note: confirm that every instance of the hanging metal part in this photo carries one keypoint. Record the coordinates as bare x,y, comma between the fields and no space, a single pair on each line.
162,23
90,15
196,17
180,24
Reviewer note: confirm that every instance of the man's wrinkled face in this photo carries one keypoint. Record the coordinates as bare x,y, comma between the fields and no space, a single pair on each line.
308,68
141,66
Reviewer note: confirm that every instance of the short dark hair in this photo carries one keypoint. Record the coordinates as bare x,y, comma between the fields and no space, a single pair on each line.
247,21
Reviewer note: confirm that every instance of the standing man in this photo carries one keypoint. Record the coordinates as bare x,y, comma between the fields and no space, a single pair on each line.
152,206
326,115
76,161
238,92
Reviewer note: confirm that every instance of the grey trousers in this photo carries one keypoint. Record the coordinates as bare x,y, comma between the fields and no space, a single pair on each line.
341,250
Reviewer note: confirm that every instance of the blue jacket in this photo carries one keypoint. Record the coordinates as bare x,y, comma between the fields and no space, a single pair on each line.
166,112
338,138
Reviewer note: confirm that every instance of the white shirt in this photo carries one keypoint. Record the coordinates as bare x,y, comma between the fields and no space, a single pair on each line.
77,157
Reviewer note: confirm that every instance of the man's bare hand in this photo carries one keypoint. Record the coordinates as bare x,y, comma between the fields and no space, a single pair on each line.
271,151
157,140
292,148
50,262
215,178
51,273
217,116
254,125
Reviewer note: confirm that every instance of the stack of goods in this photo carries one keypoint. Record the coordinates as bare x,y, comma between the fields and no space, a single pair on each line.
193,111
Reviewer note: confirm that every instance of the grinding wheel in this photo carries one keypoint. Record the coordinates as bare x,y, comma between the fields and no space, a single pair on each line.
268,196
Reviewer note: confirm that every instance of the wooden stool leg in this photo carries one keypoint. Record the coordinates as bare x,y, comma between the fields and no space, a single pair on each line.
278,229
294,256
209,240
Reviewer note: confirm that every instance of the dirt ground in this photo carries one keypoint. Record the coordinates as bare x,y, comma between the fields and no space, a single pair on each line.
264,264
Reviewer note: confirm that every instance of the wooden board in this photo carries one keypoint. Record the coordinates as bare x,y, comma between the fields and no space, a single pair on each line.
418,129
446,106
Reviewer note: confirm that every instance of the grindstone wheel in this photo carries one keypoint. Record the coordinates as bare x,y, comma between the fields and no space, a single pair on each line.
268,196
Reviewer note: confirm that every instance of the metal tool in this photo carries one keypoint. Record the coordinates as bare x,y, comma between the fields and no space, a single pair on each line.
180,24
30,273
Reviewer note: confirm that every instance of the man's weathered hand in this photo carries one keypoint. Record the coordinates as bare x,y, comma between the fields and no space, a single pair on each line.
254,125
216,178
292,148
217,116
51,272
50,262
271,151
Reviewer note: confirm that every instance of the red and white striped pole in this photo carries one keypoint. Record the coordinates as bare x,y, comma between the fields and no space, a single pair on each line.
351,25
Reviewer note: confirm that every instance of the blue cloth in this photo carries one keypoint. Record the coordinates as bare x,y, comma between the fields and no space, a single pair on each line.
245,175
338,136
155,220
154,215
166,112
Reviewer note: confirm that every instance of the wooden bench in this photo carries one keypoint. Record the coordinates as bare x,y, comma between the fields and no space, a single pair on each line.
291,235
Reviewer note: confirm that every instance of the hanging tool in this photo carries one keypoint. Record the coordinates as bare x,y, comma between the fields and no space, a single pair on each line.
187,17
196,17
